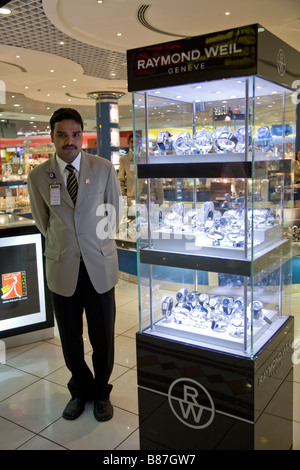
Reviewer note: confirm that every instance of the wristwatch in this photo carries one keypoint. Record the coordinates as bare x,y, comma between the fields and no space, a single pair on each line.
181,295
192,298
227,305
257,309
203,299
167,306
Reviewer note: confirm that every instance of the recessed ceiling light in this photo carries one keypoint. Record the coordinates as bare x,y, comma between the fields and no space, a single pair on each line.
5,11
119,34
51,70
227,13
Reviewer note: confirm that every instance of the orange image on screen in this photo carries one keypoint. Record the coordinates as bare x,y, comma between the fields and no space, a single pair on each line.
13,285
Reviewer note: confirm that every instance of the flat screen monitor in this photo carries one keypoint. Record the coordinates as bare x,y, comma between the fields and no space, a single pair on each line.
23,302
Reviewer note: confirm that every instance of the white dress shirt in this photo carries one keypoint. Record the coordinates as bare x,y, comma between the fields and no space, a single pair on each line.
62,167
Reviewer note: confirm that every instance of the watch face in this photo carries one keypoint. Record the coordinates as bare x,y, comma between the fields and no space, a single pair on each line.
264,139
240,135
257,305
167,306
202,141
239,304
224,141
183,143
181,295
164,140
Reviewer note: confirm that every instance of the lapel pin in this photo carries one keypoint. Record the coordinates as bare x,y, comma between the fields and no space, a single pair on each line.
87,181
52,175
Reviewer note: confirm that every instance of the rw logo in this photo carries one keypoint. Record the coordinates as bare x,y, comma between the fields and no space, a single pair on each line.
191,403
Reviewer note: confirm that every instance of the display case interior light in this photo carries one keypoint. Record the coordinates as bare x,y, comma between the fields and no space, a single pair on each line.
231,87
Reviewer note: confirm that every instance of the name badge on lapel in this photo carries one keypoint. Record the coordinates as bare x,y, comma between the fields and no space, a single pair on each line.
55,194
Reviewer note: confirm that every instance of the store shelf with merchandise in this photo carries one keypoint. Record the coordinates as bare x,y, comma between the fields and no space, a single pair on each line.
14,202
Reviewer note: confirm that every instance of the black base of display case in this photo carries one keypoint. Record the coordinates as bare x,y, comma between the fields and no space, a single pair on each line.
191,398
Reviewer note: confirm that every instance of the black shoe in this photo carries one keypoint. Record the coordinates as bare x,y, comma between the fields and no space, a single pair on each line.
103,410
74,408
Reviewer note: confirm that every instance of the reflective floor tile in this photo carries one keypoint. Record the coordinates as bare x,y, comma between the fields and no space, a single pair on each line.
40,443
124,393
12,380
12,435
40,361
125,353
131,443
85,433
125,322
131,308
37,406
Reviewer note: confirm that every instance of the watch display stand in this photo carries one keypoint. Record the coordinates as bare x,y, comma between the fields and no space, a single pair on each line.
214,349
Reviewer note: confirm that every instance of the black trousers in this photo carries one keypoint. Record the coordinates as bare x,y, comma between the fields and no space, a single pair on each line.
100,314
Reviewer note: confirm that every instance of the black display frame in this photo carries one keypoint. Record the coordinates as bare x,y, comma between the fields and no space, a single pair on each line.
20,231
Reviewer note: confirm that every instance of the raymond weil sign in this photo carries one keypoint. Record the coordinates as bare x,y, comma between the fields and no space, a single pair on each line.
224,54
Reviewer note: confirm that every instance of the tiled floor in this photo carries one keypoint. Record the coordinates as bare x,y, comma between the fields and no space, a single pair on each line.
33,391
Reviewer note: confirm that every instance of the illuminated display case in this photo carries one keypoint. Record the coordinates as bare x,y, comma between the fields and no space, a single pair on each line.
14,202
214,259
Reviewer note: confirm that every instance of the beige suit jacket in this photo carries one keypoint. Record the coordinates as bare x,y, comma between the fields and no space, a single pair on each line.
81,231
126,174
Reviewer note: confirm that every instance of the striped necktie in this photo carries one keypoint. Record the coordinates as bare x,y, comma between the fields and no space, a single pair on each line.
72,184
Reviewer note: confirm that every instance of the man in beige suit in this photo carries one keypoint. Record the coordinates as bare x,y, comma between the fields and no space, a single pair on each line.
126,172
81,256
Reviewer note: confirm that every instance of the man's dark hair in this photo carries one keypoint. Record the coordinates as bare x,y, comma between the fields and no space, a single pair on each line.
137,136
65,113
